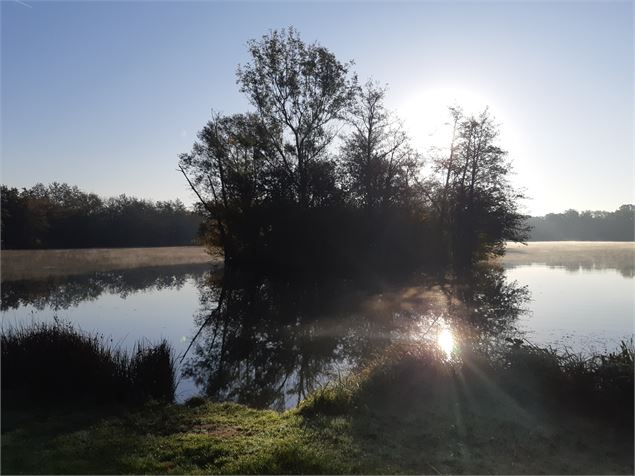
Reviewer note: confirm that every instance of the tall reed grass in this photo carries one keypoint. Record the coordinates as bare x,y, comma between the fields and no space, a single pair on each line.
53,363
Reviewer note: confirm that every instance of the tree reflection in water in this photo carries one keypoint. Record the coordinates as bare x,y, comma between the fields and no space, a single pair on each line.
64,292
269,342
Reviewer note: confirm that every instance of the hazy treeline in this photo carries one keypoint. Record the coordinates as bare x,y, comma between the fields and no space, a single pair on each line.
321,174
585,226
63,216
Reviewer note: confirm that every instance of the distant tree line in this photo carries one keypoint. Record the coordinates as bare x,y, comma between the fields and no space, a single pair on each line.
585,226
321,174
63,216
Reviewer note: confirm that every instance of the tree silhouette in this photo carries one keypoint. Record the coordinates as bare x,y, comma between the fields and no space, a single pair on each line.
379,165
63,216
299,90
282,195
477,207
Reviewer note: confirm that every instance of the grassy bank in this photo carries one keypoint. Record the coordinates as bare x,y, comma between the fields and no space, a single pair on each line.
35,264
531,411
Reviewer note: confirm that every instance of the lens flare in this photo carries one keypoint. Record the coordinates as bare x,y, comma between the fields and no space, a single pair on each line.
445,340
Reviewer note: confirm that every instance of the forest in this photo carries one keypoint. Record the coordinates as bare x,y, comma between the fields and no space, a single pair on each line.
585,226
63,216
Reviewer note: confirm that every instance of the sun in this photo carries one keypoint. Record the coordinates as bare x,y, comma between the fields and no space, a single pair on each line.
445,341
425,113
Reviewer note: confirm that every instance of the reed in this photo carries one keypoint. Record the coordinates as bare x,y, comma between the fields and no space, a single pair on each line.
55,363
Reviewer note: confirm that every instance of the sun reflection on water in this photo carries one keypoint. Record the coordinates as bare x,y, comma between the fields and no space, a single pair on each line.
445,341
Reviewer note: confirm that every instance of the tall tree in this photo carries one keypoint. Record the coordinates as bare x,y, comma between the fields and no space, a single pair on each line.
230,171
379,164
479,206
299,91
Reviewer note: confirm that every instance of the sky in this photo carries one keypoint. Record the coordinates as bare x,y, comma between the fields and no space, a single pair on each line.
106,95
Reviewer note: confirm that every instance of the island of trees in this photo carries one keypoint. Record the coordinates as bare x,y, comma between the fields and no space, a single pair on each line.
321,174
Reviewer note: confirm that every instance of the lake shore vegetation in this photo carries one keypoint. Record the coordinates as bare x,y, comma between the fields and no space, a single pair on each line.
55,364
19,265
411,411
587,225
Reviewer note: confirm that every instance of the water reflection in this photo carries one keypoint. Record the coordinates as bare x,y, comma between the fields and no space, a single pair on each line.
271,341
268,343
575,257
64,292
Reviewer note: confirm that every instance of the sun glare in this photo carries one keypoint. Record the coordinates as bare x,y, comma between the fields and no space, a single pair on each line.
445,340
426,118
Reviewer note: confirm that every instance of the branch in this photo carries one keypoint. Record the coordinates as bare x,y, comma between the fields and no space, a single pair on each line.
205,204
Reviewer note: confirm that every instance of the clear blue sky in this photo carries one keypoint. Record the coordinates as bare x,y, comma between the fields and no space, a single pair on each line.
106,95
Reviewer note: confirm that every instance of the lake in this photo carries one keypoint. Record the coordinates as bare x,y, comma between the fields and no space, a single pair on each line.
267,343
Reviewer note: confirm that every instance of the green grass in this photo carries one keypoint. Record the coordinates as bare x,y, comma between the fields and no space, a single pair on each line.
209,438
408,413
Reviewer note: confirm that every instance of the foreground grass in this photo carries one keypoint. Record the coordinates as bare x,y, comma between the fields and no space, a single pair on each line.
406,414
209,438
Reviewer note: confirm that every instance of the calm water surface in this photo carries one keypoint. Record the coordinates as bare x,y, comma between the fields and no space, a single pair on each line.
268,343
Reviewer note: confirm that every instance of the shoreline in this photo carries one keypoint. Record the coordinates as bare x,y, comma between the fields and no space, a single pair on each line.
408,413
17,265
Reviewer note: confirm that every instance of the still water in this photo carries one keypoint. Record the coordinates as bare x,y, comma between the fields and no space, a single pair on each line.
268,343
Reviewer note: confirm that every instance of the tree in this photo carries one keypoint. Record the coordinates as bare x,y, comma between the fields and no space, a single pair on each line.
379,165
585,225
232,174
299,90
478,207
280,197
258,174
